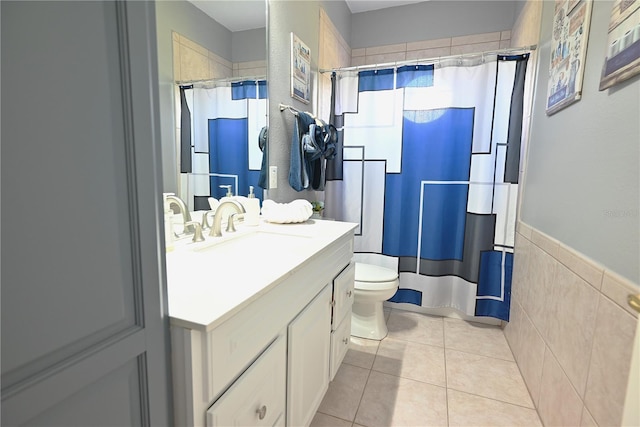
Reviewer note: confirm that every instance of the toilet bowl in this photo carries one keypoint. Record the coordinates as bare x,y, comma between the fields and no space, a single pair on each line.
373,286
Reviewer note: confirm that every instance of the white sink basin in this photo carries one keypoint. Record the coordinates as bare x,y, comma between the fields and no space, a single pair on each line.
257,243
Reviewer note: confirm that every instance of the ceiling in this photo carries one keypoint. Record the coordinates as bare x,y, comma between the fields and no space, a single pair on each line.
240,15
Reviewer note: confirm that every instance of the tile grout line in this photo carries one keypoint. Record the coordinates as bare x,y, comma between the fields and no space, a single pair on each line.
446,377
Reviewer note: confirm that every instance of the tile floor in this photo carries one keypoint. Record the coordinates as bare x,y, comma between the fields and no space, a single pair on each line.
429,371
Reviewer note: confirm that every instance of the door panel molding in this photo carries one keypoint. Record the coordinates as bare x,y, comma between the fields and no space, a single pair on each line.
57,385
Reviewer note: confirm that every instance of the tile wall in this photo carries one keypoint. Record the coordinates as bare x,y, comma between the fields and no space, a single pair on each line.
192,61
333,52
571,332
431,48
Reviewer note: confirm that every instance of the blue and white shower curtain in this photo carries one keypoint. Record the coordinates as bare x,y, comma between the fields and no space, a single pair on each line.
220,124
430,171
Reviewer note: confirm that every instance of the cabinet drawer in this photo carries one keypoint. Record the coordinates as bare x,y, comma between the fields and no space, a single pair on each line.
340,339
257,398
343,294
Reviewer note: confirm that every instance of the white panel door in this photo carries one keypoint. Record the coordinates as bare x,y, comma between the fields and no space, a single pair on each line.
84,323
309,339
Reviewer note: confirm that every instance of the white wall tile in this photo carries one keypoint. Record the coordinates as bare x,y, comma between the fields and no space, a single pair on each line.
474,48
617,288
505,35
537,288
429,44
550,246
531,358
391,48
559,405
475,38
358,52
428,53
572,304
610,363
383,58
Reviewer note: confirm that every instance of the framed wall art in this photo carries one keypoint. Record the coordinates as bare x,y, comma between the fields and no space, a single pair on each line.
568,50
300,70
622,59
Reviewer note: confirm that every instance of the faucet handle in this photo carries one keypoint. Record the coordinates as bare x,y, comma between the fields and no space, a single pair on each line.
205,219
197,234
230,226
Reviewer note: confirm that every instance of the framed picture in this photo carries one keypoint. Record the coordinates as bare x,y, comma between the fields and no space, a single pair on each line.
300,70
568,50
622,59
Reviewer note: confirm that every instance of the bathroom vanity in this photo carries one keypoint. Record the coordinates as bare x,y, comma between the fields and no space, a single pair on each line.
260,322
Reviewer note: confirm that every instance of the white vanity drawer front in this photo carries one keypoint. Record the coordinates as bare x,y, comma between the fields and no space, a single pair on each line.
340,339
258,397
343,294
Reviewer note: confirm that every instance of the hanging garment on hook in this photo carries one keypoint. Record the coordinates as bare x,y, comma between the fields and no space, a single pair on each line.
263,143
298,174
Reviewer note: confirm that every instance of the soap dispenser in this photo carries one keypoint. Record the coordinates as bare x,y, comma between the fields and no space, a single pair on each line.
228,196
252,216
168,223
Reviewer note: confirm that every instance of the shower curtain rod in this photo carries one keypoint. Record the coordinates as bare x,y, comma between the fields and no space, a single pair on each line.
434,60
222,80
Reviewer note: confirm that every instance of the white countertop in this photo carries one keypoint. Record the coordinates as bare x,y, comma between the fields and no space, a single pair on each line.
210,281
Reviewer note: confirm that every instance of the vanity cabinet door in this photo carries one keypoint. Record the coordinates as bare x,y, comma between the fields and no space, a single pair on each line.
257,398
340,339
343,295
309,336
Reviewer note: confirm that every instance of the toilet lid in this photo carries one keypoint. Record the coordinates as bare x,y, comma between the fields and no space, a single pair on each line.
374,273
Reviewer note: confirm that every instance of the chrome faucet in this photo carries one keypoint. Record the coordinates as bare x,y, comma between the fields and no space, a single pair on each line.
216,230
172,199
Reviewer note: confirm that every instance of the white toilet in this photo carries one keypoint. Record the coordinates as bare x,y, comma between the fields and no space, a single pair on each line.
373,286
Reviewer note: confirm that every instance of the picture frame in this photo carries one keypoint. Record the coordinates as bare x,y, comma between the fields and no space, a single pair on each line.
568,51
622,59
300,70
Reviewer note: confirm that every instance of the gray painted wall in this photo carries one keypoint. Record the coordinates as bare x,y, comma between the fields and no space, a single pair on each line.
582,178
430,20
301,18
249,45
186,19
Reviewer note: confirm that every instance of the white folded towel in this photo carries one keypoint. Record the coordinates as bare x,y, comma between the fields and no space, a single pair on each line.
282,213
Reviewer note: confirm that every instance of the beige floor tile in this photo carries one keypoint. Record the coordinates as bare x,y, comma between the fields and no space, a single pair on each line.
361,352
411,360
416,327
324,420
393,401
471,410
476,338
345,391
486,376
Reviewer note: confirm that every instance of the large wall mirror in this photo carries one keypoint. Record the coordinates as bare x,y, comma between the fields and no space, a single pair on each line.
219,97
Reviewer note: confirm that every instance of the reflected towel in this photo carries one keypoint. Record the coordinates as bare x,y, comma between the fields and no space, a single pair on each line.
282,213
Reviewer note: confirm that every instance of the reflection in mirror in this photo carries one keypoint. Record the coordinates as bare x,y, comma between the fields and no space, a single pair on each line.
221,108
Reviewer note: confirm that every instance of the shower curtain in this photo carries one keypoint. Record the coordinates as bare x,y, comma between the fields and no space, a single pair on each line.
220,124
429,171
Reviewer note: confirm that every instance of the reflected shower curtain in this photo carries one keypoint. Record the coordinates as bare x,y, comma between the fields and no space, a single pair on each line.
430,173
224,120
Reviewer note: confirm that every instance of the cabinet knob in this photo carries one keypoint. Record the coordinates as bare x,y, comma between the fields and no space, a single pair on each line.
349,293
345,340
262,411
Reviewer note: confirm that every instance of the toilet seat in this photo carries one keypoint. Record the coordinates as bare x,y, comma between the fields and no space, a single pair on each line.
374,278
374,273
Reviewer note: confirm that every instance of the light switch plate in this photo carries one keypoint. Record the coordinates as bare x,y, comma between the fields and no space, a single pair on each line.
273,177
